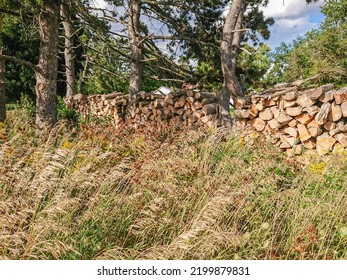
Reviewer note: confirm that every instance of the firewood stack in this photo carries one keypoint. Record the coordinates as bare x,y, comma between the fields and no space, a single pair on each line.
151,111
298,119
155,112
109,105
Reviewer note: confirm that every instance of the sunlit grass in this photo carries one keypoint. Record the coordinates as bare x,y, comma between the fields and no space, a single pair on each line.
94,193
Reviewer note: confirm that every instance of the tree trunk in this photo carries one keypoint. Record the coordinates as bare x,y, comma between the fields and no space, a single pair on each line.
46,78
231,86
135,47
68,52
235,44
2,83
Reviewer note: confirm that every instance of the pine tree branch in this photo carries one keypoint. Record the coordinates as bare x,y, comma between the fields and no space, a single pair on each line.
9,12
21,62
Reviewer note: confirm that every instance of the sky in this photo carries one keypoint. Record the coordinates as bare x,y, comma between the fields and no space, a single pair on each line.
292,18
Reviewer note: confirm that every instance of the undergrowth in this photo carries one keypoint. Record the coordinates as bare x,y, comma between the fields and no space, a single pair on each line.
94,193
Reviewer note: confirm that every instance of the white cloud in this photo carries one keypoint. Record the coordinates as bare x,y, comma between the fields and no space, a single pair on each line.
99,4
290,8
286,30
292,18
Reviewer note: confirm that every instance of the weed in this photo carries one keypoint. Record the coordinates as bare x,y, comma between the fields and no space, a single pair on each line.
94,193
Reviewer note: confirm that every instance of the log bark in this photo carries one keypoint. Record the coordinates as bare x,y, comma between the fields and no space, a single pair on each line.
46,78
210,109
113,95
322,117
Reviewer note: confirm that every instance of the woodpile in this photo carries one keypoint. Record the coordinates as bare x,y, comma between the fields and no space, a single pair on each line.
110,105
298,119
151,111
184,108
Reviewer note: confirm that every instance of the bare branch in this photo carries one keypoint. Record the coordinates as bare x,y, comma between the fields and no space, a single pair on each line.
184,38
167,80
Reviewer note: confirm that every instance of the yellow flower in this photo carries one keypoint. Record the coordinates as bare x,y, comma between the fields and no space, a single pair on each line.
67,145
317,168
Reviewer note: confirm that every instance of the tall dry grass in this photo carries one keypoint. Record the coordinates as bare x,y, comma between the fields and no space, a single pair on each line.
93,193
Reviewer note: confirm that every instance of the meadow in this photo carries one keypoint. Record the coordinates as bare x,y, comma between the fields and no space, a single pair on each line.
86,191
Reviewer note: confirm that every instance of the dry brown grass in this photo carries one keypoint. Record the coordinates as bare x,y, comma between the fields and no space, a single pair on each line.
93,193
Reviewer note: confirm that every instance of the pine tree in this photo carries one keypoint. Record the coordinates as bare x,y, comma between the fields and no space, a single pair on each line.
46,69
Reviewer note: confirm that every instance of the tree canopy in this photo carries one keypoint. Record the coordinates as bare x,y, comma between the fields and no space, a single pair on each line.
132,45
321,51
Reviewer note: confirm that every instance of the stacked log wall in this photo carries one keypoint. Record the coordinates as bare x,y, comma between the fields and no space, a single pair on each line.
150,111
298,120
